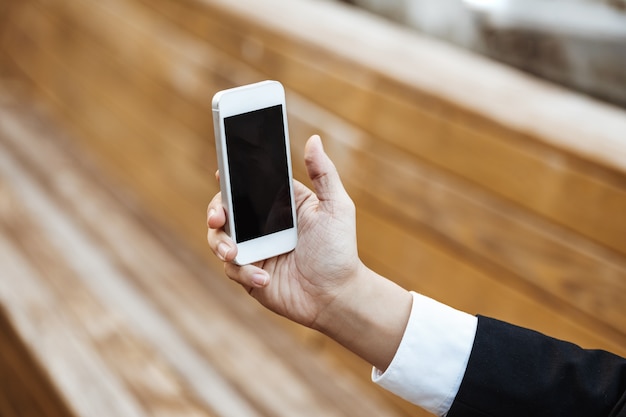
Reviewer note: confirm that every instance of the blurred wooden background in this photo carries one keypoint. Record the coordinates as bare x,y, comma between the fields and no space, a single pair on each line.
474,184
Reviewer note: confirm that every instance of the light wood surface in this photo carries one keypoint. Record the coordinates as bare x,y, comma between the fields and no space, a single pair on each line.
480,186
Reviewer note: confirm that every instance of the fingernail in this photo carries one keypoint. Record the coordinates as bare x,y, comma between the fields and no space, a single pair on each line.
208,217
260,279
223,249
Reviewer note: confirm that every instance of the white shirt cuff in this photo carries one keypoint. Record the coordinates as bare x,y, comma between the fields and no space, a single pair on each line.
430,362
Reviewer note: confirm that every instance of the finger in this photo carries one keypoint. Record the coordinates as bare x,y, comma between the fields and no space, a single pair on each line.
215,213
250,276
217,175
219,242
221,245
323,173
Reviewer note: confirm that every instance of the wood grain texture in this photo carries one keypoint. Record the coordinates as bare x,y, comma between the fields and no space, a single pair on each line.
392,87
481,187
25,389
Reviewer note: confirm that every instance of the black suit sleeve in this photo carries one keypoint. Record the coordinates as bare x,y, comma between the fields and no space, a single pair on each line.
515,372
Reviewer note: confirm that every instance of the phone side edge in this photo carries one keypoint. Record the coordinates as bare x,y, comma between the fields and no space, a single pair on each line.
222,166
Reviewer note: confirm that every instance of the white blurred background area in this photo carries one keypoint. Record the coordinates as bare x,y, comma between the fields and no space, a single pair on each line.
577,43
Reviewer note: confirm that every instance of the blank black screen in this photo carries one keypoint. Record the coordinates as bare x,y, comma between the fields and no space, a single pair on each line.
259,176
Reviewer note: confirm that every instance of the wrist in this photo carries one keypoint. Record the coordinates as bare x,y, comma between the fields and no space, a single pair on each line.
368,316
333,317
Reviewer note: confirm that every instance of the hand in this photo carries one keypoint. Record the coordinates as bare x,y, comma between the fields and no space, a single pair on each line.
322,284
301,284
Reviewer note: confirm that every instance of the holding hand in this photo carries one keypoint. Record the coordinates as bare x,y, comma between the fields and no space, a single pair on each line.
322,284
301,283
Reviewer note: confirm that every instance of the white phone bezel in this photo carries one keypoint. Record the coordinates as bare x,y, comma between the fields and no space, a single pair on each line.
236,101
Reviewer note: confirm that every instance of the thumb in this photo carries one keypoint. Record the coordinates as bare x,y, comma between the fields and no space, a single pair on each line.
323,173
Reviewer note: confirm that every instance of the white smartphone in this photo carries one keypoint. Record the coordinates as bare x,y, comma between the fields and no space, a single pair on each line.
256,179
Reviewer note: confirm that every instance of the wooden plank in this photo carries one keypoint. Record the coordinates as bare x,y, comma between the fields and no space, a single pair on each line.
453,133
557,263
142,368
143,372
566,279
25,389
111,339
431,66
62,351
393,249
467,288
113,136
117,128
